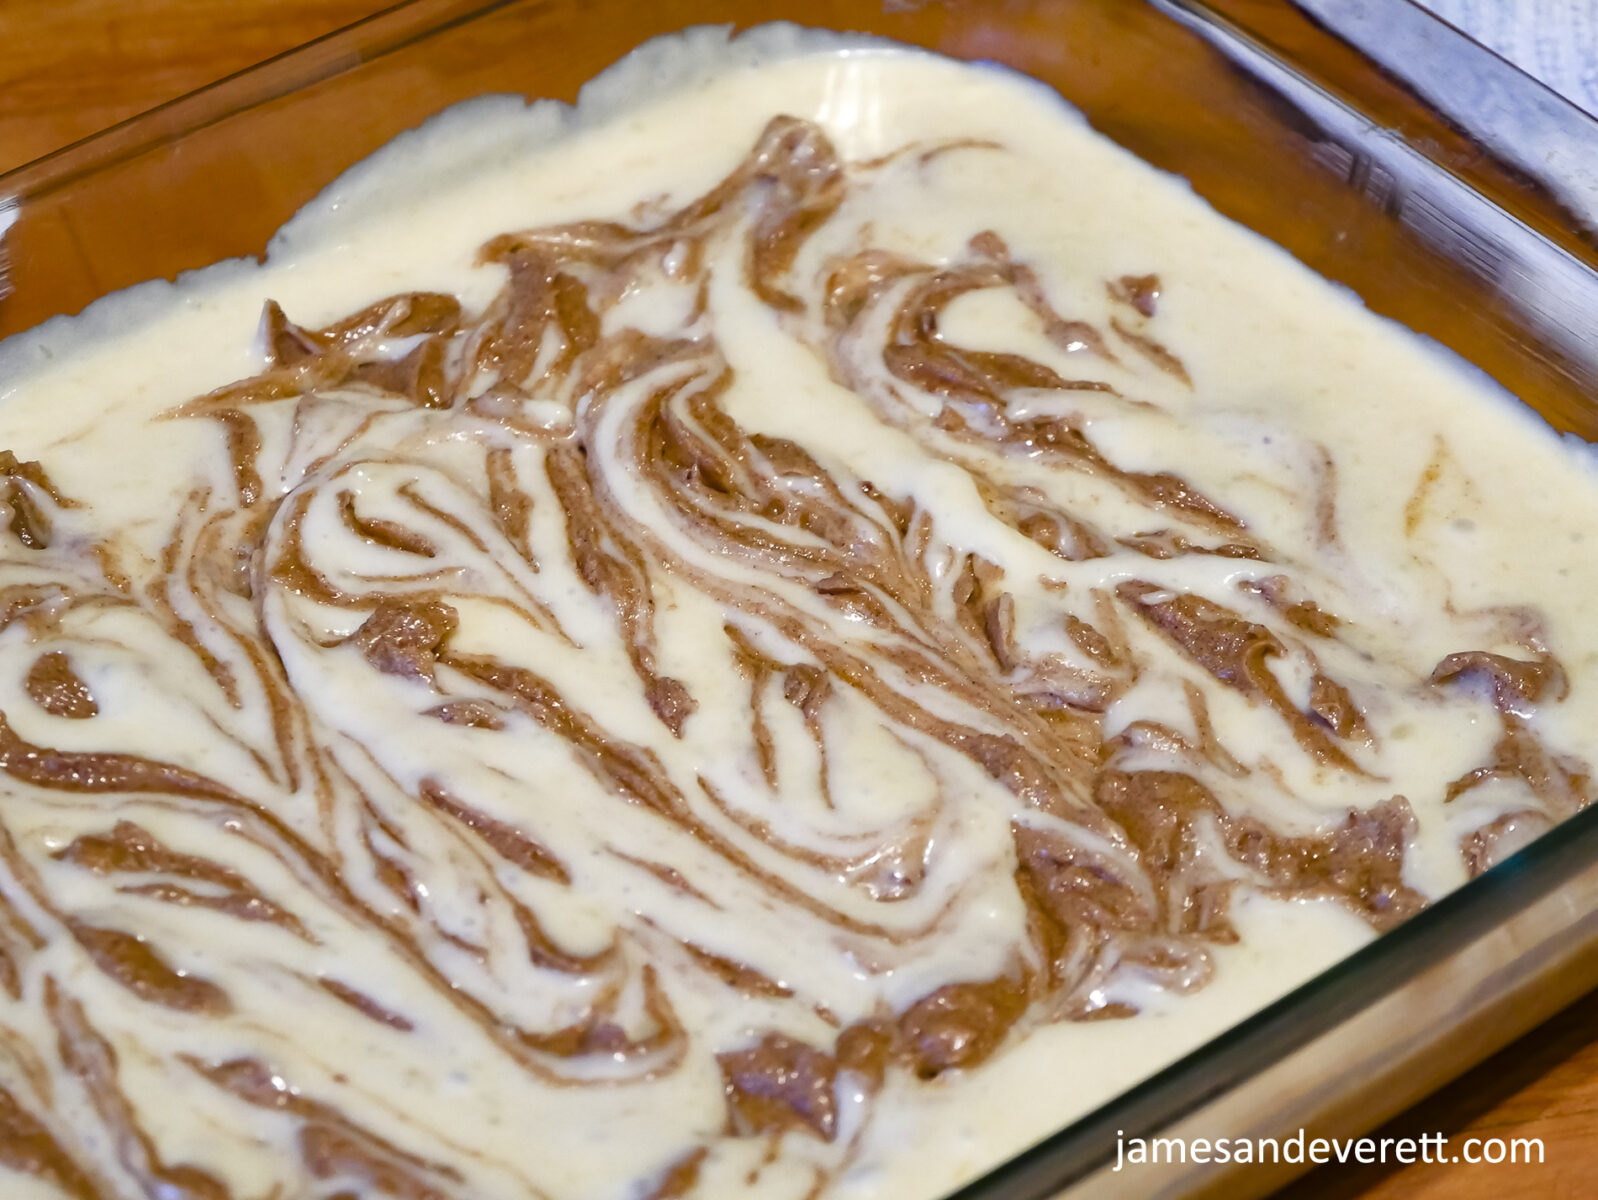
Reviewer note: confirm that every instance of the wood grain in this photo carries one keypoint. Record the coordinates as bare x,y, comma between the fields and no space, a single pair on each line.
71,67
1543,1086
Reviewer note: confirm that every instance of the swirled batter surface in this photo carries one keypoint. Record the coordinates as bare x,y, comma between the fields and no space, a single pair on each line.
782,640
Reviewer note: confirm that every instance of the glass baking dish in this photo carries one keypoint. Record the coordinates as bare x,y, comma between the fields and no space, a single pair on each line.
1278,122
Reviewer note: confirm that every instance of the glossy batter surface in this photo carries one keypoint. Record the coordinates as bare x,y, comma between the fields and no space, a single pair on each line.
784,638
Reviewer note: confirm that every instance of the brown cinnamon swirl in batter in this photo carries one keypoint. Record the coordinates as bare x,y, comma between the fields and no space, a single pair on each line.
691,674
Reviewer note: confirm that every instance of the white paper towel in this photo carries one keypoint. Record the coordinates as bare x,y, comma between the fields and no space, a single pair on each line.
1547,132
1555,41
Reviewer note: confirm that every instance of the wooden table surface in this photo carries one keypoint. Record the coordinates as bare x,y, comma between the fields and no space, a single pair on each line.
71,67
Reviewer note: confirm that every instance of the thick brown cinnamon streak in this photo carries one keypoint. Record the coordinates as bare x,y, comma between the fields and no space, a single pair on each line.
27,1146
54,686
71,771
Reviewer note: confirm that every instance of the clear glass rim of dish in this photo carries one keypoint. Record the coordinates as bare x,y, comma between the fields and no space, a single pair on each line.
1085,1146
408,21
384,32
